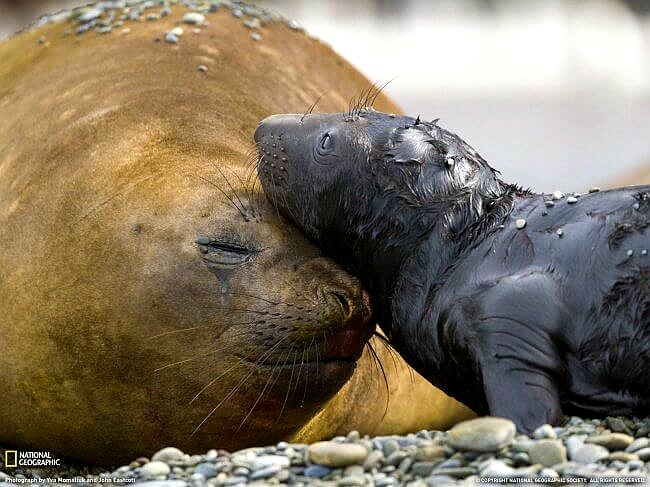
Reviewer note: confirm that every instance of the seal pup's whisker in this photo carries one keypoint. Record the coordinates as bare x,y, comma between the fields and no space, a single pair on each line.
383,372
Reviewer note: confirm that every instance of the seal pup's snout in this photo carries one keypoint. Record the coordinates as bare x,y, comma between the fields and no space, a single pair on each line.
274,125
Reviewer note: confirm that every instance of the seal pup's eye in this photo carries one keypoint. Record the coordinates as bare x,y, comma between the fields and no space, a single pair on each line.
326,143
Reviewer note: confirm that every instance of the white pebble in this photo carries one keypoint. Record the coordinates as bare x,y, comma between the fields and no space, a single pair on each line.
558,195
203,68
520,223
177,31
572,199
154,469
193,18
559,232
595,189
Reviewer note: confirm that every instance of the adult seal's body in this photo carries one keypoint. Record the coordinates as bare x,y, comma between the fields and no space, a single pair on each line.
518,304
149,296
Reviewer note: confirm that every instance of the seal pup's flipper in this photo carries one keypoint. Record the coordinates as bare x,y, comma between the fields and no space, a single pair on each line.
519,361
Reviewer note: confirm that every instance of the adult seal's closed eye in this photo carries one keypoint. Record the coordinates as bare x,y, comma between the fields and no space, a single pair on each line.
518,304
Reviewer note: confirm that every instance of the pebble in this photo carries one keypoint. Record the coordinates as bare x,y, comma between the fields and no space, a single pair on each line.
559,232
332,454
643,454
482,434
557,195
255,36
520,223
203,68
549,203
193,18
571,200
548,452
595,189
167,455
638,444
497,468
317,471
611,441
265,461
171,38
154,469
544,431
208,470
590,453
177,31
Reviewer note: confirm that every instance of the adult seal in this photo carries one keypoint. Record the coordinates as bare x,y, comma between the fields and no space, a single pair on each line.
520,305
149,296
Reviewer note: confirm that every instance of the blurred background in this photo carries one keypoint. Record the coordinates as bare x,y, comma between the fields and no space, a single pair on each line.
555,94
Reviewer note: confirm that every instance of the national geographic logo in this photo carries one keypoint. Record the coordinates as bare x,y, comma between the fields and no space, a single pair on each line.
15,458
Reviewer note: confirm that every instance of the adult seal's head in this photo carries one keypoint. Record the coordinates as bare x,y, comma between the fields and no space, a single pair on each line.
149,295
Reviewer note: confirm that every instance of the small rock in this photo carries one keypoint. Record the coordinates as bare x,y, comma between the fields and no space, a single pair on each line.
497,468
482,434
590,453
548,452
90,14
373,459
154,469
255,36
557,195
193,18
333,454
559,232
177,31
458,473
427,453
611,441
171,38
544,431
422,469
549,203
389,446
208,470
203,68
638,444
352,481
643,454
125,31
520,223
548,473
571,200
264,473
316,471
169,454
253,23
622,456
265,461
595,189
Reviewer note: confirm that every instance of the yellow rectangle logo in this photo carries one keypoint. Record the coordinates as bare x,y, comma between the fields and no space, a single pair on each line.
11,458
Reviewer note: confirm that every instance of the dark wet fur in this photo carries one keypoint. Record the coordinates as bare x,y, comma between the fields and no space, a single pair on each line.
522,323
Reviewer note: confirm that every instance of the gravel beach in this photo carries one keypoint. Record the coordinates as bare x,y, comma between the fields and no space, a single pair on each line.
484,451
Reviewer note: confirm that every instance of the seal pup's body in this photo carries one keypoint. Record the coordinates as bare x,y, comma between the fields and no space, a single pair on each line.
518,304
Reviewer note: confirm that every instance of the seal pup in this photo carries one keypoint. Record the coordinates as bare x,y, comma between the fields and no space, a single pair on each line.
518,304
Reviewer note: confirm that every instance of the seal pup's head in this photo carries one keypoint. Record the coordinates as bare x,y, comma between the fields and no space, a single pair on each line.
366,186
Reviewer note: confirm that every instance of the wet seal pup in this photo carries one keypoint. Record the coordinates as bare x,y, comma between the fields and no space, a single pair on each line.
518,304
